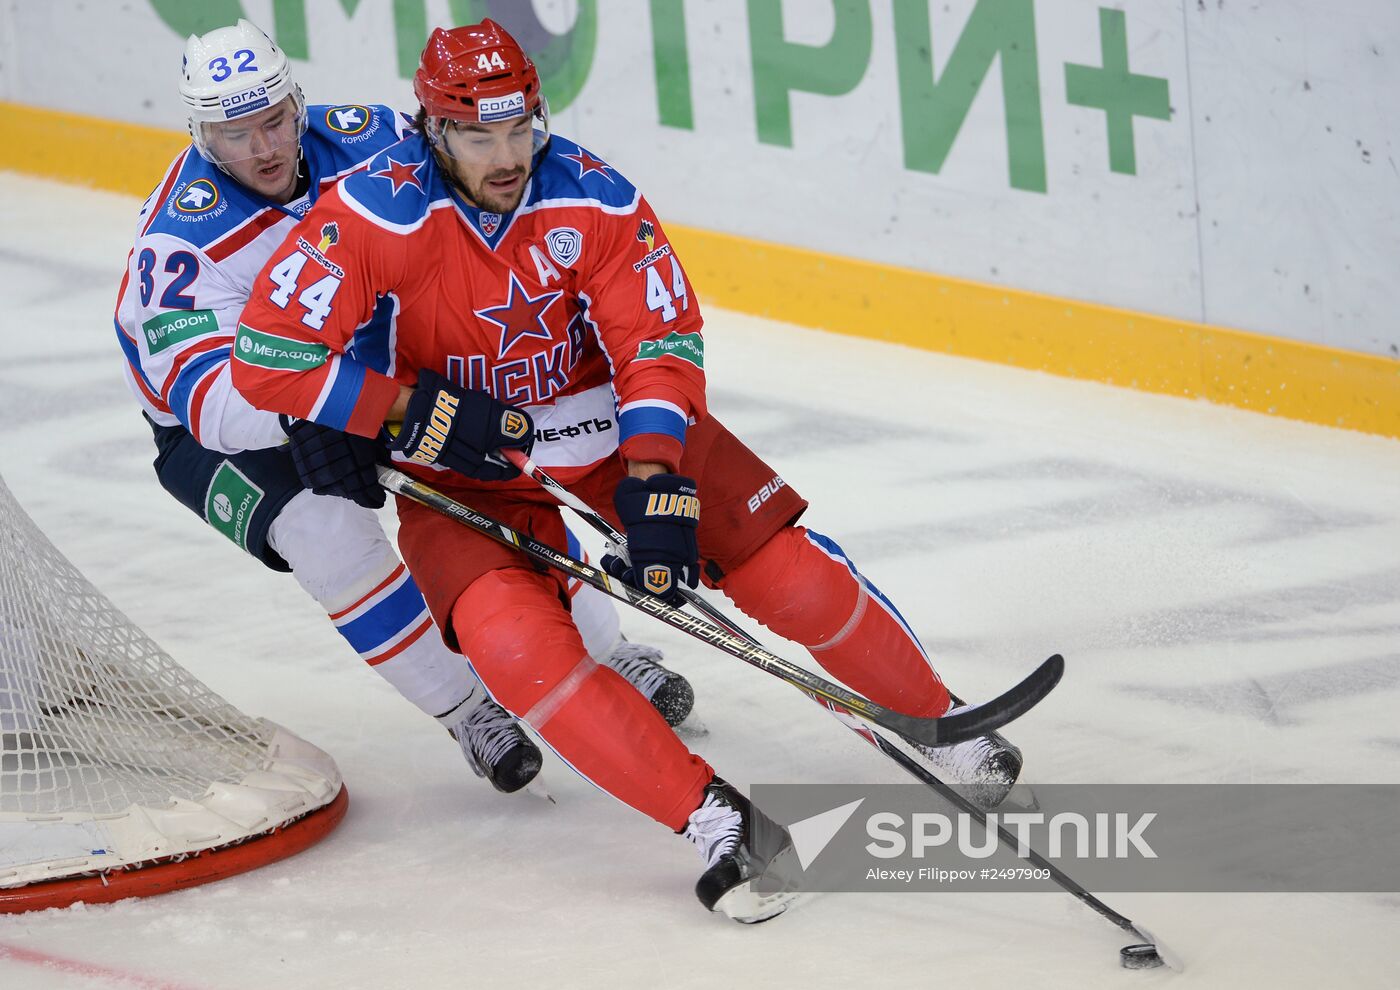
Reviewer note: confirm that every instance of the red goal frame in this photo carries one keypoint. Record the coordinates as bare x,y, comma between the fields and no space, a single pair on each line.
162,876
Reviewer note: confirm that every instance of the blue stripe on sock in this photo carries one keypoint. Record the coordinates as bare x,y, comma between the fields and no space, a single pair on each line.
389,618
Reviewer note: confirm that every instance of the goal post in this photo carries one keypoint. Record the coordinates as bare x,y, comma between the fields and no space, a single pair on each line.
121,774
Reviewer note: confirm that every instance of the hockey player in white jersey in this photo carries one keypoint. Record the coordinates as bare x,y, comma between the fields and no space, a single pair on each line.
258,160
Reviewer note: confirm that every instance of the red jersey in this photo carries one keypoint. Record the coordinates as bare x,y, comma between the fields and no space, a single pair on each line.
573,307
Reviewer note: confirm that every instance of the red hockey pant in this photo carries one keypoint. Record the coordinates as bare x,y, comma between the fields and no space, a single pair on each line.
514,627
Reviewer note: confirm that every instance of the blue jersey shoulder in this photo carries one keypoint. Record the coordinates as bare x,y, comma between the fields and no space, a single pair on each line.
340,138
568,171
399,183
205,202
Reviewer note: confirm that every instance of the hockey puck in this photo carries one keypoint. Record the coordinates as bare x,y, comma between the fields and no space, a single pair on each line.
1143,955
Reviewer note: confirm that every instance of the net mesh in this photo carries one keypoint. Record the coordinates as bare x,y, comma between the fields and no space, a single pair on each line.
94,716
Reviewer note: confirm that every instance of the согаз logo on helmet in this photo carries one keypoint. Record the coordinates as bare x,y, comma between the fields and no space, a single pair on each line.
491,108
244,103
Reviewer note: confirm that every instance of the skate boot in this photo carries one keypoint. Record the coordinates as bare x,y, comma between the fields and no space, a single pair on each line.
494,744
669,692
739,843
985,767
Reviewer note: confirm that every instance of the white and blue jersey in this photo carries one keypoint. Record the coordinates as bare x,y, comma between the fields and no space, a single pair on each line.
201,240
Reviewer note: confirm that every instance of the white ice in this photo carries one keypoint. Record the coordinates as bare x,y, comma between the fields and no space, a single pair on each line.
1224,585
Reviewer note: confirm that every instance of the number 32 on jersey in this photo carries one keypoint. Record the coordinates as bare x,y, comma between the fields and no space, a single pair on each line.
316,298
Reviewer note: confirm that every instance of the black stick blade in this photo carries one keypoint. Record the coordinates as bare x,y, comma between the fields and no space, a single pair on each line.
986,717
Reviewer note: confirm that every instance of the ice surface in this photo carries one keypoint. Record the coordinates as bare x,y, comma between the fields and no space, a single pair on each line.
1224,586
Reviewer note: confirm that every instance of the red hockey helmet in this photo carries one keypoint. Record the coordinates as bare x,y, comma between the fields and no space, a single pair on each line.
478,74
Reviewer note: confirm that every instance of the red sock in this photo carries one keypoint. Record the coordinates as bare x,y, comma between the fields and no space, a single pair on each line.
519,638
801,586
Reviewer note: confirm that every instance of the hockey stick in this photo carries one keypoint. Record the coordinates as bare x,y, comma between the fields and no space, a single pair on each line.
975,721
618,544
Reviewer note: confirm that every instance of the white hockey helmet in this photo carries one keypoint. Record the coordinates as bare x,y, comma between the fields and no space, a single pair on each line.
234,72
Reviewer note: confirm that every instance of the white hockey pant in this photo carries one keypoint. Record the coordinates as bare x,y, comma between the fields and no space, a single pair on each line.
340,556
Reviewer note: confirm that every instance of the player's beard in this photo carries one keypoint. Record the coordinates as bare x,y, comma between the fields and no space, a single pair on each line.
488,199
279,187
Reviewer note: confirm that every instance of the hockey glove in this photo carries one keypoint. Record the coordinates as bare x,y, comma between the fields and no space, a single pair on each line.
661,515
330,462
461,429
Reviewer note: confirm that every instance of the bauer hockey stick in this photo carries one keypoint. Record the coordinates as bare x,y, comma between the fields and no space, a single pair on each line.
1144,955
975,721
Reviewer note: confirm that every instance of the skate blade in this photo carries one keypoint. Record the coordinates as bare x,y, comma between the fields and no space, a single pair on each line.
748,907
537,789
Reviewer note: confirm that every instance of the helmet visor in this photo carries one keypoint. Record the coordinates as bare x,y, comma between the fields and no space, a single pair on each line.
484,144
265,132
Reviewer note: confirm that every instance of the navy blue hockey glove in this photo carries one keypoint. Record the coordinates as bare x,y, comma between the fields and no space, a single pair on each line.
661,515
461,429
330,462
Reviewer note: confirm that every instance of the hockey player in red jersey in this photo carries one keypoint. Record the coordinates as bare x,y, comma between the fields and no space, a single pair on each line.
258,160
540,305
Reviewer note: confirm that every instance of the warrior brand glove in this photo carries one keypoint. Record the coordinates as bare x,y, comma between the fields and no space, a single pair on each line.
661,515
330,462
461,429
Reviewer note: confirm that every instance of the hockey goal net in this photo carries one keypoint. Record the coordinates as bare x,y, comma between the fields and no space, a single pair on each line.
120,773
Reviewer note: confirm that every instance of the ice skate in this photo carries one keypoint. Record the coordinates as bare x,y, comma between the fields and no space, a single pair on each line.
985,767
739,844
494,744
669,692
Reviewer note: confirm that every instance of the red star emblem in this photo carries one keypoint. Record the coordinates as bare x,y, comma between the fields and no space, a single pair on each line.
401,174
521,316
587,163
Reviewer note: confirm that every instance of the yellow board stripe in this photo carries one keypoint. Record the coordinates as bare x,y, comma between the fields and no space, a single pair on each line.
104,154
1065,337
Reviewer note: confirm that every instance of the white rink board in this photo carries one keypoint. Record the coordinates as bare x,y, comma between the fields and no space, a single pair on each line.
1224,586
1267,202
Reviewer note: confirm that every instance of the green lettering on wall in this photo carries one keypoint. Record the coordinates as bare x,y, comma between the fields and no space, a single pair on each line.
289,28
933,107
563,60
671,61
1120,94
781,66
187,17
410,34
